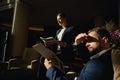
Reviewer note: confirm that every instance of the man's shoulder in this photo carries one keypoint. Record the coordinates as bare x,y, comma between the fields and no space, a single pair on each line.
94,66
72,28
94,63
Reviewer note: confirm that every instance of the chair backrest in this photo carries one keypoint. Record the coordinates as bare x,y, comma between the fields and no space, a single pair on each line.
30,54
116,63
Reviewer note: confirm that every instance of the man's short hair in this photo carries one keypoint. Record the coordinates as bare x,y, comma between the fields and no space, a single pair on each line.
63,15
102,32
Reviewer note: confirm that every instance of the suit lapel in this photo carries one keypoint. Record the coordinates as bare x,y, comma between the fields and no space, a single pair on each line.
64,34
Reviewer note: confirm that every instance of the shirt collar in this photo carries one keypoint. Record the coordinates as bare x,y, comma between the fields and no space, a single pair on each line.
99,54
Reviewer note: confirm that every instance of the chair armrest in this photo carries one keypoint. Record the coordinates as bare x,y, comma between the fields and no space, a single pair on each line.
16,63
34,65
33,61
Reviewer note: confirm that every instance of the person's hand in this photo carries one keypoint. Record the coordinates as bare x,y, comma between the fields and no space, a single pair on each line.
60,43
80,38
47,63
48,43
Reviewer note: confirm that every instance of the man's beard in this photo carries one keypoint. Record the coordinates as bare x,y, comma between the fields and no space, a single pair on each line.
95,51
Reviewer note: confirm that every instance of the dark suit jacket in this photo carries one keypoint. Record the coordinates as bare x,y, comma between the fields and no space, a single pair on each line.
55,74
68,37
98,68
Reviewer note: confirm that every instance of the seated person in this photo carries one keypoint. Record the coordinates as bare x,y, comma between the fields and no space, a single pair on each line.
99,67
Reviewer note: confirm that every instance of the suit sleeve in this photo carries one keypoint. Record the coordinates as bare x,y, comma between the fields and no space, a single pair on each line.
54,74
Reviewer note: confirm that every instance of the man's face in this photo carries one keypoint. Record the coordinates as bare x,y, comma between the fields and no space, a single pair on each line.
93,43
60,20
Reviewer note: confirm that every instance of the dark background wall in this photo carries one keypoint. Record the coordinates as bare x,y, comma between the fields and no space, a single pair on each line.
80,12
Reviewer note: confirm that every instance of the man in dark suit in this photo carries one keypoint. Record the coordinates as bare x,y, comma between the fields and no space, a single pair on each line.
99,67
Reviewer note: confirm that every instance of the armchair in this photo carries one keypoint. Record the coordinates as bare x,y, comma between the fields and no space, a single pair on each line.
29,60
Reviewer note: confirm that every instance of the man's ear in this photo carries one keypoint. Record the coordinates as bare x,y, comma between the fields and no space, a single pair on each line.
104,39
